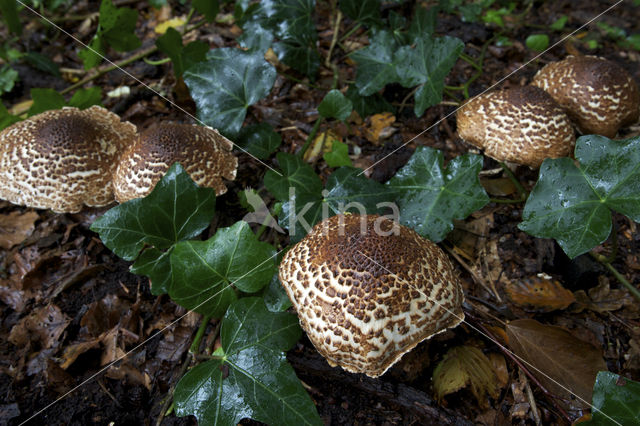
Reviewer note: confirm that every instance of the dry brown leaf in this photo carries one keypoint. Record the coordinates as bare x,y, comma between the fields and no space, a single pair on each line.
539,293
15,227
465,366
45,325
174,344
378,127
500,187
500,368
72,352
564,364
322,143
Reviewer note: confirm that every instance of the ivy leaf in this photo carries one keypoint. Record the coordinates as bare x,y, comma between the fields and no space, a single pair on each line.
572,203
296,174
537,42
338,156
427,64
615,397
423,23
42,63
175,210
335,105
205,273
44,100
84,98
366,12
8,77
275,297
376,66
208,8
368,105
9,9
301,212
156,265
252,378
260,140
430,196
182,57
226,84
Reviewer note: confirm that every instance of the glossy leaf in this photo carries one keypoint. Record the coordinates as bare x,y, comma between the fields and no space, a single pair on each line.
43,63
426,63
260,140
182,57
376,66
208,8
251,378
335,105
537,42
275,297
226,84
156,265
45,100
366,12
616,401
8,77
206,273
368,105
423,23
296,174
175,210
84,98
338,156
9,11
572,203
431,196
6,119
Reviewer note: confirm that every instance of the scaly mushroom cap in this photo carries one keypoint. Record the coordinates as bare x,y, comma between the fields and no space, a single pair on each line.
364,295
62,159
522,125
598,95
203,152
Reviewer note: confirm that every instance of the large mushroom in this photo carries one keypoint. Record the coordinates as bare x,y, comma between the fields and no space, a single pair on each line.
62,159
367,290
203,152
597,94
521,125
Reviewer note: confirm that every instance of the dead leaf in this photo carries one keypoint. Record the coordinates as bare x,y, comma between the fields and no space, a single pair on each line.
500,368
602,298
377,127
539,293
322,143
72,352
499,187
45,325
564,364
174,344
15,227
465,366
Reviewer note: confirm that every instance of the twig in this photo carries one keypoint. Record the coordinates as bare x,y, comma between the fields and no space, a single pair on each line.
311,136
475,276
532,400
334,39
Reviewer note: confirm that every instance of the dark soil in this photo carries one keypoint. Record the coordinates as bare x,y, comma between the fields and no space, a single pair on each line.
64,264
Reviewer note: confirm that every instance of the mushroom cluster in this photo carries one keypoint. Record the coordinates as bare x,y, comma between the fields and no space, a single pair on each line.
367,290
68,158
525,125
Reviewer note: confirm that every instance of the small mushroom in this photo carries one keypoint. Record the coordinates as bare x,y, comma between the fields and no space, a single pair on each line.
521,125
368,290
203,152
597,94
62,159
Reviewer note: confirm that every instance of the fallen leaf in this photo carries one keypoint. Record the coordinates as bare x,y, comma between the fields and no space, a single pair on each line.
500,187
539,293
564,364
500,368
378,127
465,366
602,298
15,227
171,23
72,352
174,344
322,143
45,325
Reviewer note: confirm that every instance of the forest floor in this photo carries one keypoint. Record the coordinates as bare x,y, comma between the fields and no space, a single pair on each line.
69,306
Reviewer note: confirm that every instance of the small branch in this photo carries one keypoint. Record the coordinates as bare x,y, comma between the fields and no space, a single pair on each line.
311,136
632,289
334,39
195,346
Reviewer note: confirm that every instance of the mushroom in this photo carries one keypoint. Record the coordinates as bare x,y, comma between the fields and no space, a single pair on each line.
368,290
597,94
203,152
522,125
62,159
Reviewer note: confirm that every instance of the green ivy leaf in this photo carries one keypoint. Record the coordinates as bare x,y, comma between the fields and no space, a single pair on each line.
338,156
156,265
616,401
42,63
9,10
84,98
296,174
252,378
427,63
116,28
366,12
205,273
376,66
182,57
430,196
175,210
6,118
368,105
44,100
8,77
558,24
572,203
260,140
208,8
423,23
335,105
226,84
275,297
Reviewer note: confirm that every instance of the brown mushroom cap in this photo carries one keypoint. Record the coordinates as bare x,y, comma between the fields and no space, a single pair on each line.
522,125
366,298
62,159
598,95
203,152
